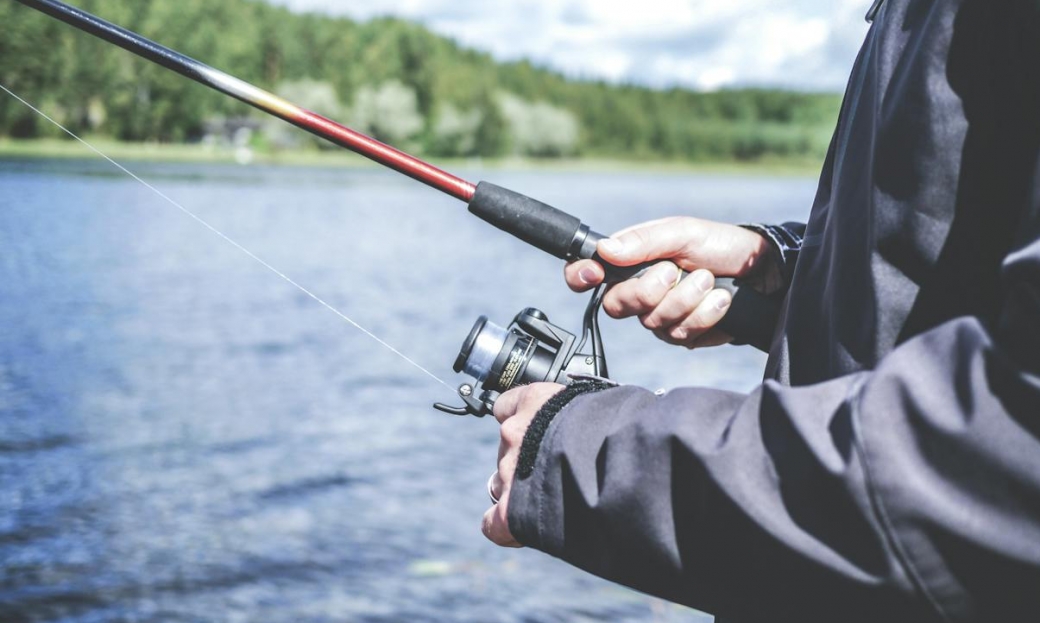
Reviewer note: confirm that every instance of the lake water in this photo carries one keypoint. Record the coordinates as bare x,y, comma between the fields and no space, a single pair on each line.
186,437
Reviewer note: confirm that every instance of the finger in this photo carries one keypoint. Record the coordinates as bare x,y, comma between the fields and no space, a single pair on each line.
680,302
583,275
507,405
636,297
495,526
661,239
708,314
502,480
645,224
496,487
715,337
525,400
709,339
511,437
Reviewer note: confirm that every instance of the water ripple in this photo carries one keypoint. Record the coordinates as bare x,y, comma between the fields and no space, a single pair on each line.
185,438
306,487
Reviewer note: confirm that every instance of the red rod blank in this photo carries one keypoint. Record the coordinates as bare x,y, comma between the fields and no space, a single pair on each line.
388,156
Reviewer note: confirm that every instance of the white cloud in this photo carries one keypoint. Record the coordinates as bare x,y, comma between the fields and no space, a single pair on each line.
807,44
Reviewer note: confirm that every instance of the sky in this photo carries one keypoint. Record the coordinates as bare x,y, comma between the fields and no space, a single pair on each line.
703,44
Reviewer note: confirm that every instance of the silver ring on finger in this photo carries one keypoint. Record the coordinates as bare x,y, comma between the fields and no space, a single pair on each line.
490,488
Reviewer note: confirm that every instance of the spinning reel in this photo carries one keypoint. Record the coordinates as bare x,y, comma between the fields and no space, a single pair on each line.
530,350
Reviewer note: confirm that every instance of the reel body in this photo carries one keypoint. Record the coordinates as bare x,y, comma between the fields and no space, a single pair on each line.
530,350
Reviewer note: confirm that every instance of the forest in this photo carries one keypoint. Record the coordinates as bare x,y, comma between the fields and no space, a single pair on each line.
390,78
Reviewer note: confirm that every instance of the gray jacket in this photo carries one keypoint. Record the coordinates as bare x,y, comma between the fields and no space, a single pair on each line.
888,469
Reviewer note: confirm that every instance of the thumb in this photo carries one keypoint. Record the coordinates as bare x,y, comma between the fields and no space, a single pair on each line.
661,239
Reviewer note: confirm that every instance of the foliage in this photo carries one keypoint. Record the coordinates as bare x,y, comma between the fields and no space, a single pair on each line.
455,131
401,82
389,112
538,128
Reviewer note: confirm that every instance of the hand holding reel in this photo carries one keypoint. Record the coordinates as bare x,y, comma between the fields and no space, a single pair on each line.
531,350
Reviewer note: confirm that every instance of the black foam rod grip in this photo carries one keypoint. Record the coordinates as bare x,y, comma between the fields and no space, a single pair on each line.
532,221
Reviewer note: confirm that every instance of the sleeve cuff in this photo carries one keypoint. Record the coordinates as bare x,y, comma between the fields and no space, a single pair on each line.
785,239
530,509
545,416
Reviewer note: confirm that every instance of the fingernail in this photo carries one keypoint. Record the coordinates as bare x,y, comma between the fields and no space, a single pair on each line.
703,280
722,303
668,275
587,276
612,246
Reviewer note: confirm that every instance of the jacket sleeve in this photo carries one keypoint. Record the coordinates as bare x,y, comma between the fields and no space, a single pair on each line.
907,493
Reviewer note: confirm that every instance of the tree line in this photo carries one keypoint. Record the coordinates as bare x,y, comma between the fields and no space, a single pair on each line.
388,77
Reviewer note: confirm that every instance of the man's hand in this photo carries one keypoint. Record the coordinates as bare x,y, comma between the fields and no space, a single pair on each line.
683,313
514,411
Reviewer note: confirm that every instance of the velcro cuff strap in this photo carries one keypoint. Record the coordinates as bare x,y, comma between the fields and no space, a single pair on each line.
540,424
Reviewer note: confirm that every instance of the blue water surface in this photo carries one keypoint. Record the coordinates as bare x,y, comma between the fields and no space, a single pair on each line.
186,437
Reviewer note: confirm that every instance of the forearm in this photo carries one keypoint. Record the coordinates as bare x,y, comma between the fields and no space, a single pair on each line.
683,497
873,495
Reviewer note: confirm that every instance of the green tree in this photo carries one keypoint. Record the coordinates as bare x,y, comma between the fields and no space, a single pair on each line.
389,112
405,84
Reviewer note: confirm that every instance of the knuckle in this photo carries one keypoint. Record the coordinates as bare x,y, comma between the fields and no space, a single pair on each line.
505,407
646,296
499,533
652,321
640,237
485,525
520,395
512,430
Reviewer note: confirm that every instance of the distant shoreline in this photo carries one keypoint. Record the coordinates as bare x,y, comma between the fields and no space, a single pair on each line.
197,153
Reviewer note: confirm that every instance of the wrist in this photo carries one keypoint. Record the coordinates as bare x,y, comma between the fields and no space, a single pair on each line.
764,269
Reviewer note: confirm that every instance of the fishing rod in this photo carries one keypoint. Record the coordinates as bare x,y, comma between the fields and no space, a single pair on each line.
750,318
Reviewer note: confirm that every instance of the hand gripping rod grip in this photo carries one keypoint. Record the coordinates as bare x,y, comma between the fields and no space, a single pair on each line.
751,319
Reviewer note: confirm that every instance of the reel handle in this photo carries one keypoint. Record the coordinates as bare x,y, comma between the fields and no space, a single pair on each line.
751,319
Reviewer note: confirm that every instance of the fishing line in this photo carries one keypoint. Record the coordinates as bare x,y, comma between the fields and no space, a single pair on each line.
238,246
